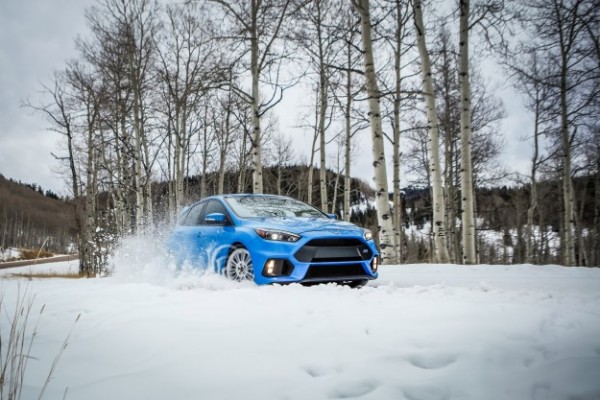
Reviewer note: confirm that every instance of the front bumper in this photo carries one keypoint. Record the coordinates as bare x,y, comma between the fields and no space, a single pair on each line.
314,258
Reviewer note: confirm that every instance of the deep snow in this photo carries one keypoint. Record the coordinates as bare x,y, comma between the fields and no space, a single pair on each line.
420,332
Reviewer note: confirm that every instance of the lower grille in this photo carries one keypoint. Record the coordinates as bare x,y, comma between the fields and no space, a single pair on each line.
335,271
334,250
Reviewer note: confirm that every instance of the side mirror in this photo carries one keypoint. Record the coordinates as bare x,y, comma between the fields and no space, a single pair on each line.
332,216
215,218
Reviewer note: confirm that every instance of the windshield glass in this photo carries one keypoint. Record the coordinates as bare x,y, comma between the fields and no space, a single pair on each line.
267,206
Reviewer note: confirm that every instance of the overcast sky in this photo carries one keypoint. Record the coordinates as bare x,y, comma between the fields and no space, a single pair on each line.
36,39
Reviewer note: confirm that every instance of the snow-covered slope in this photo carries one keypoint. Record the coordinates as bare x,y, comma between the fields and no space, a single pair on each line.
420,332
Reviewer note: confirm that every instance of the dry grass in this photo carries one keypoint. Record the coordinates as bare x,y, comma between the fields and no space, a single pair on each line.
16,339
29,254
15,344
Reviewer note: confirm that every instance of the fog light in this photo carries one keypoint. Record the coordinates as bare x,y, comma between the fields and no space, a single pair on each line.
375,264
270,268
277,267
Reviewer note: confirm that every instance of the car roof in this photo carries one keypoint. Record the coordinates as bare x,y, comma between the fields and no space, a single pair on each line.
252,195
234,195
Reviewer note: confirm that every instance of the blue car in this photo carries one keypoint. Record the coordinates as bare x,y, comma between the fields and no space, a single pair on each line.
273,239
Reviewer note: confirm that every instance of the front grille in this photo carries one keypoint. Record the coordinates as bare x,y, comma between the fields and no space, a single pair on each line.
334,250
335,271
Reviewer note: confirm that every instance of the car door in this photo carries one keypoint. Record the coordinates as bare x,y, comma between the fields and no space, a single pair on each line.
217,236
187,237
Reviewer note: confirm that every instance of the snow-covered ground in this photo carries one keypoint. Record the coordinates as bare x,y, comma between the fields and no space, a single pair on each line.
420,332
9,253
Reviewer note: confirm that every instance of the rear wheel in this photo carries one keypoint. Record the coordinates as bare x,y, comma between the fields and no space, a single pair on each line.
239,265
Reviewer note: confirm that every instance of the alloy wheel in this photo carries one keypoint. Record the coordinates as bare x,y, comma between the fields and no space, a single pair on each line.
239,265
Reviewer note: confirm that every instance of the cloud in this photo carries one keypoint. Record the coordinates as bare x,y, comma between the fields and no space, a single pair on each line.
37,39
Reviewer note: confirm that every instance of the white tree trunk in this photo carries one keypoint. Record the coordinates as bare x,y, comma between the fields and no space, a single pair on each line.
312,155
348,142
256,163
323,86
322,146
452,238
181,153
241,184
348,125
439,207
533,196
89,262
224,147
466,171
137,160
596,236
384,216
568,246
397,199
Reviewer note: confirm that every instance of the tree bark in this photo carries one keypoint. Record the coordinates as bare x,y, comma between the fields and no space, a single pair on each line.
224,144
439,208
384,216
533,196
323,104
568,246
348,140
311,168
397,199
466,171
256,163
596,232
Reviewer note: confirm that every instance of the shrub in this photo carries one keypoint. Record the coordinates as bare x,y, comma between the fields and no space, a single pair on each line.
27,254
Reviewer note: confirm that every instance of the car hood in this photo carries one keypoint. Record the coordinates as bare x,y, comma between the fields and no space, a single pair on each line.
304,225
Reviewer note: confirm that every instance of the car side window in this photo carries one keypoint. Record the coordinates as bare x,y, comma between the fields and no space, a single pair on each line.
193,216
182,217
213,206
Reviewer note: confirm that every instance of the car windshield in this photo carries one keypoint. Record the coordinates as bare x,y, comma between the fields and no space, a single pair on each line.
267,206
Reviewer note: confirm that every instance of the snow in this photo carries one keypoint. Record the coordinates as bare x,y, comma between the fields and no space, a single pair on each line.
419,332
9,253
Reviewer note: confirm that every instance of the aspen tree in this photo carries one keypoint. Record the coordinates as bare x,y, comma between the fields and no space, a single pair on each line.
384,215
466,165
439,208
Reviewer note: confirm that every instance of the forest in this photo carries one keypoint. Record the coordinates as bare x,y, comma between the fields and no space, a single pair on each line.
169,103
31,218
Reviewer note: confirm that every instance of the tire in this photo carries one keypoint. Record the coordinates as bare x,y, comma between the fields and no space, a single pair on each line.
239,265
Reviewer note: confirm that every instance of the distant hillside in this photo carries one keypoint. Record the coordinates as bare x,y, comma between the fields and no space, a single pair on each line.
31,218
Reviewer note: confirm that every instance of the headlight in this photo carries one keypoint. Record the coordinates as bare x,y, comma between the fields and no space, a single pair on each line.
368,234
278,236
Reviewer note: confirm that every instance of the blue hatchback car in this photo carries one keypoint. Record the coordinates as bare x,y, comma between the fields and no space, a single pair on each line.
273,239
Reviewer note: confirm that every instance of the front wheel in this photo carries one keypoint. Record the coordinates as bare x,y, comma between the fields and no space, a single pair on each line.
239,265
